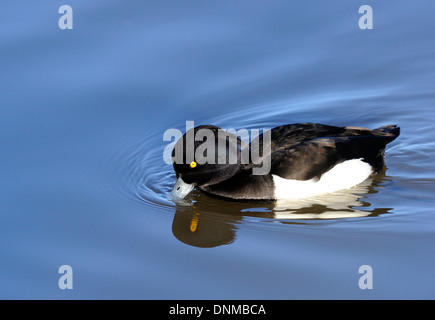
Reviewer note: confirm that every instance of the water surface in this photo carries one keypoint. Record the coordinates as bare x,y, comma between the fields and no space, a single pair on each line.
83,181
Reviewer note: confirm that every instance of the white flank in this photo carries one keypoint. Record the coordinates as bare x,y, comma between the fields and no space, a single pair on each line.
342,176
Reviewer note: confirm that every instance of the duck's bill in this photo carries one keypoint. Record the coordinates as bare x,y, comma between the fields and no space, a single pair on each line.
181,189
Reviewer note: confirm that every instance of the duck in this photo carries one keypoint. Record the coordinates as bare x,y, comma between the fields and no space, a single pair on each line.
304,160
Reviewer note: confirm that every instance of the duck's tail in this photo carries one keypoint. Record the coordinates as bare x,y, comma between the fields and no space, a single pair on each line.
392,131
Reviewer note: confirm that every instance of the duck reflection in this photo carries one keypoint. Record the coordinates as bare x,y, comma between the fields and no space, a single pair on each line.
202,229
204,221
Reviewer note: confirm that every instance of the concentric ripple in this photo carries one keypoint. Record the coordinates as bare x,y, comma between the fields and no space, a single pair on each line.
139,173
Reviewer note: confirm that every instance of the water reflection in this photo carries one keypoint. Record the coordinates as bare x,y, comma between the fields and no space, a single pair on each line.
206,222
202,229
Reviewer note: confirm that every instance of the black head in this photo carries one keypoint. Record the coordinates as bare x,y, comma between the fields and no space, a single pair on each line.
206,155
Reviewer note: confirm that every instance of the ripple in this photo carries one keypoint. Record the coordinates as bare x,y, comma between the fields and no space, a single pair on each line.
139,174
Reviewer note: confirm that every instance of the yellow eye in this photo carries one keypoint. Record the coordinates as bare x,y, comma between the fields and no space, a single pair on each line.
193,164
194,222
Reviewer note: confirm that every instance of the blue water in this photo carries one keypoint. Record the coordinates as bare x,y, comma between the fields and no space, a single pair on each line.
83,181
